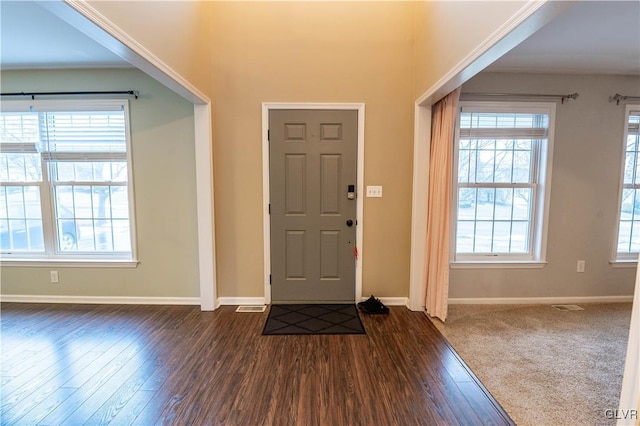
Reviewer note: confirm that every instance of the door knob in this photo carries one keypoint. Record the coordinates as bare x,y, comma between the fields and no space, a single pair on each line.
349,222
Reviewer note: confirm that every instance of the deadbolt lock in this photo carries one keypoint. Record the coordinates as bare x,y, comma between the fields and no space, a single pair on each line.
351,192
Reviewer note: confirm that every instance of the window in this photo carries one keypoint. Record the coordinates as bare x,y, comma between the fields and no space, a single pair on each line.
628,238
502,153
65,181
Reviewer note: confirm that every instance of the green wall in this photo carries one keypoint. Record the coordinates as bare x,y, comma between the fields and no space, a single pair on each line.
162,141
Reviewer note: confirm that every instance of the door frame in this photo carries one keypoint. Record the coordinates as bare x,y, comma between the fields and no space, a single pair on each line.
266,219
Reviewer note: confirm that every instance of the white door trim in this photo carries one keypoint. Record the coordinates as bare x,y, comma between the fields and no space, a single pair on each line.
204,207
419,204
266,223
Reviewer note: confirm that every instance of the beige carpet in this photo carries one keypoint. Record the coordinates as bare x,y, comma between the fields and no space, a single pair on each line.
546,367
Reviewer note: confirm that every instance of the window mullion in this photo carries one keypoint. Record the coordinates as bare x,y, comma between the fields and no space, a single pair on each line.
633,187
475,215
633,214
635,160
469,163
89,182
93,217
493,216
535,160
47,209
533,215
513,201
475,192
47,194
494,185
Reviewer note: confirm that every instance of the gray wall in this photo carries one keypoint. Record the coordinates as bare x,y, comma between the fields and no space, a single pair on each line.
165,199
584,192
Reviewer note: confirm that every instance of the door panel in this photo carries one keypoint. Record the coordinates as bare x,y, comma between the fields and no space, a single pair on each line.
330,255
330,184
294,250
295,183
312,160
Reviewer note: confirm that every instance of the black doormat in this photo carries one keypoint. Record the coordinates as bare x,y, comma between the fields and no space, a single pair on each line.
313,319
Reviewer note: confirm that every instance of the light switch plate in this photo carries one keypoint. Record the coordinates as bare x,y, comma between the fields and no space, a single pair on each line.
374,191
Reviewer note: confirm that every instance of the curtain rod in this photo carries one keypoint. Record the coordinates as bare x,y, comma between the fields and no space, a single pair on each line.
618,97
33,95
525,95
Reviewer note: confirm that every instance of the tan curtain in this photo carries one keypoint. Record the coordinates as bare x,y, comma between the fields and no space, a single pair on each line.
439,208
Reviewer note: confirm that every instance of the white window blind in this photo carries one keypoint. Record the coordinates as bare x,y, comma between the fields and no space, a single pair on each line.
83,132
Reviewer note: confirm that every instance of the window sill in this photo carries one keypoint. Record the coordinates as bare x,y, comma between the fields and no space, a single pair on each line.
623,264
71,263
484,264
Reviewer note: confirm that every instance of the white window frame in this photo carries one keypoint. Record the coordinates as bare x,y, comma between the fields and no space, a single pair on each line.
52,256
623,259
541,192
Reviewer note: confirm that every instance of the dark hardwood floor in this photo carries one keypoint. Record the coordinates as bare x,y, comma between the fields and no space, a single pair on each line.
125,364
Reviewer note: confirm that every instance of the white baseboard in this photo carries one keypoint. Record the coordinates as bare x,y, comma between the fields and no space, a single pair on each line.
99,300
389,301
221,301
241,301
538,300
392,301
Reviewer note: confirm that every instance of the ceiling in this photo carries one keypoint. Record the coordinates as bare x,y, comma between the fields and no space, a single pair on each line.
594,37
32,37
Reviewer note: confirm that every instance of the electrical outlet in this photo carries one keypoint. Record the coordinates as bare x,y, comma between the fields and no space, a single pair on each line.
374,191
580,266
54,276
